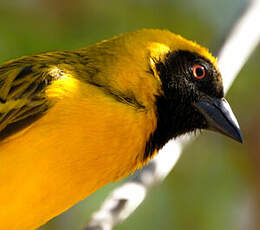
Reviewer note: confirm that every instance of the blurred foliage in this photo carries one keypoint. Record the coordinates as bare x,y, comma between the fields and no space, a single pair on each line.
215,184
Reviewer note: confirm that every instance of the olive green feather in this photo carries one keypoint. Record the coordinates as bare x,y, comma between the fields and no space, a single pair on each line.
22,88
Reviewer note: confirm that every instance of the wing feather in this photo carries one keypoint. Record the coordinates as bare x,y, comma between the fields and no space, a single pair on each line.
22,92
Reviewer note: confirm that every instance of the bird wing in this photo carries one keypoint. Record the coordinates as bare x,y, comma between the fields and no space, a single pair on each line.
22,95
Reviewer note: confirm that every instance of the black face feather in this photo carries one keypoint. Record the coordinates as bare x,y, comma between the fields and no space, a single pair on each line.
176,114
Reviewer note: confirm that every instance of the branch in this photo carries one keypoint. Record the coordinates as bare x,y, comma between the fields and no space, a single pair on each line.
123,201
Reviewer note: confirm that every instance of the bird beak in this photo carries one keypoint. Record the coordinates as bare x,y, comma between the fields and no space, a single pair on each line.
219,117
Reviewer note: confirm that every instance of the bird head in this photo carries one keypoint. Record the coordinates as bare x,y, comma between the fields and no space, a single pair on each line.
192,96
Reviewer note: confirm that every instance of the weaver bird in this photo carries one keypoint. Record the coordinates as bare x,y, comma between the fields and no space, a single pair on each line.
73,121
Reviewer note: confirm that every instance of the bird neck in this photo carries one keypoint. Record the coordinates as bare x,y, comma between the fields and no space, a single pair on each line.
171,123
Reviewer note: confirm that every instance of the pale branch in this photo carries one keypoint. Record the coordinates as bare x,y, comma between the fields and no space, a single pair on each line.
240,43
123,201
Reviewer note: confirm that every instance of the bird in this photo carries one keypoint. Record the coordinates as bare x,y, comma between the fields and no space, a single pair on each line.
73,121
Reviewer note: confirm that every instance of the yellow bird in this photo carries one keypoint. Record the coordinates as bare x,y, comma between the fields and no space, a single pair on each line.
73,121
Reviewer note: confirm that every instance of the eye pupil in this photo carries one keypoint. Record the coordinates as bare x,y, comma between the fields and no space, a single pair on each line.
199,71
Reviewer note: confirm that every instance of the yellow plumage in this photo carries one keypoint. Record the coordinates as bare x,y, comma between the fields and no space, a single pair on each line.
74,121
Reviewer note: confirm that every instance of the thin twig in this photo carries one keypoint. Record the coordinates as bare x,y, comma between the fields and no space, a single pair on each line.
123,201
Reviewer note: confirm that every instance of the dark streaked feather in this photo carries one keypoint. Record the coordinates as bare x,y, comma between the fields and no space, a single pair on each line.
22,93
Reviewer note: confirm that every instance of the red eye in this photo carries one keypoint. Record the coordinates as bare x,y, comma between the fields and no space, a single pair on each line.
198,71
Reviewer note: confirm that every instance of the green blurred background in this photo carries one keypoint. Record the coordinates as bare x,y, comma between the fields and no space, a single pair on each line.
215,185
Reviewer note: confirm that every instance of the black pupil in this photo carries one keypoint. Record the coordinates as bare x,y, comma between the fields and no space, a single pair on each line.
199,71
